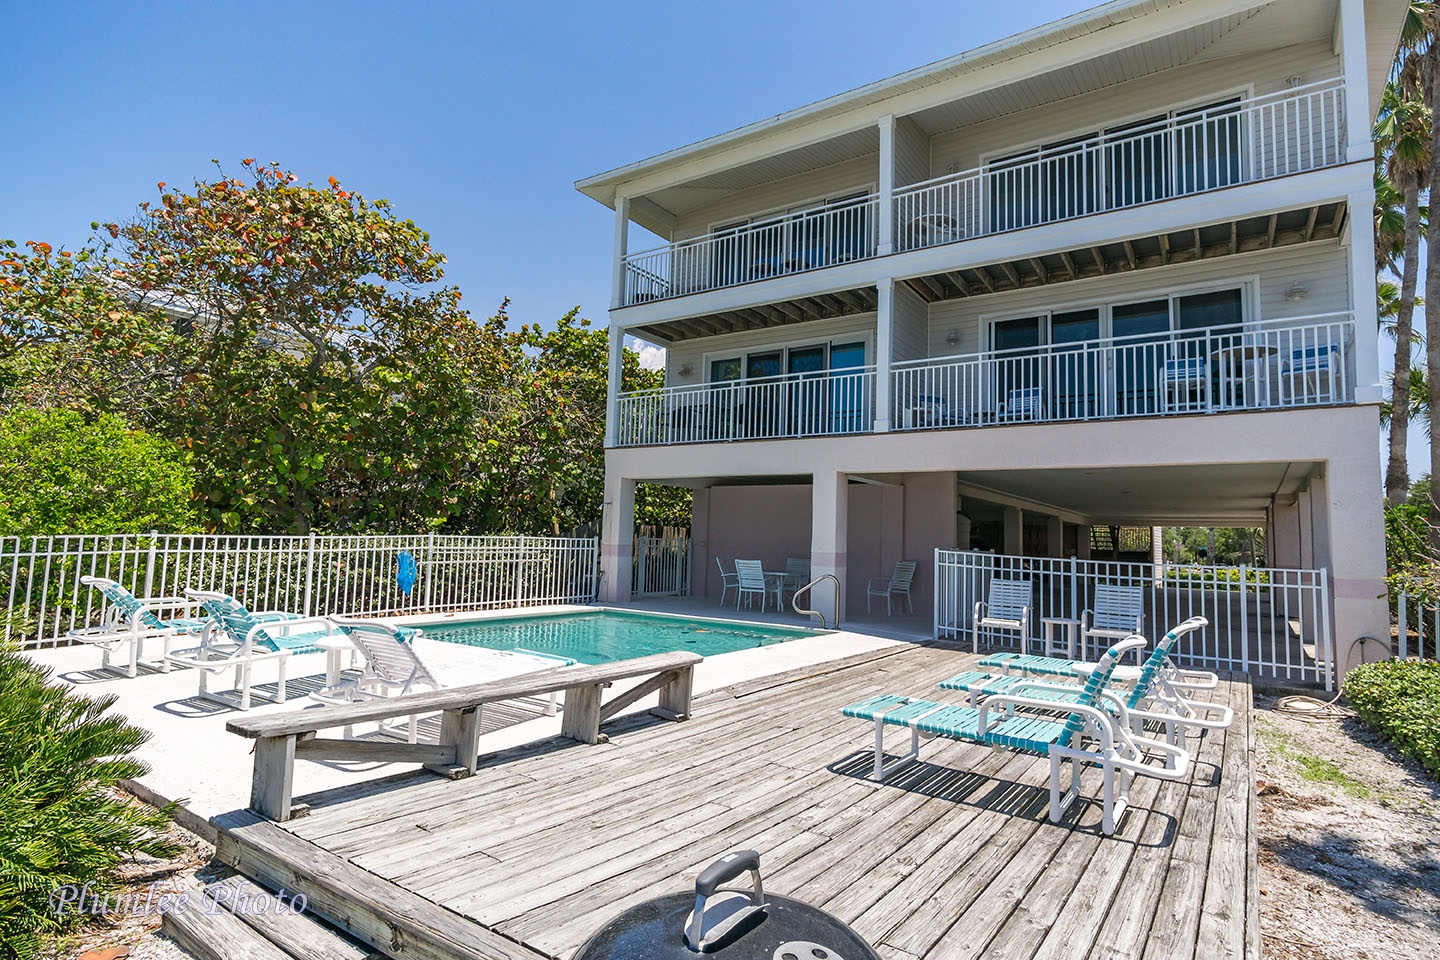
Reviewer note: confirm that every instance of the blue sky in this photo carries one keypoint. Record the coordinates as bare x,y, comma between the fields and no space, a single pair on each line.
474,119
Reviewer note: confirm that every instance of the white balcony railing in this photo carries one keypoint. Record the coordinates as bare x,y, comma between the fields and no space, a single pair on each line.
1242,142
1287,363
791,243
797,405
1273,364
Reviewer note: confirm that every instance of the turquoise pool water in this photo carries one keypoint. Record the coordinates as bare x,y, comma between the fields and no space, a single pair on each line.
603,636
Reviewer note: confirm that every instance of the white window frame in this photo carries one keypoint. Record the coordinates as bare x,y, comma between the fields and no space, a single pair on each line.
784,347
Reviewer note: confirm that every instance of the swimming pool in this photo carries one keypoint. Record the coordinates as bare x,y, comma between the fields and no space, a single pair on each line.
603,636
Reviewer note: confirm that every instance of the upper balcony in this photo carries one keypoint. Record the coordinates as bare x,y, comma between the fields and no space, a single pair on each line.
1238,140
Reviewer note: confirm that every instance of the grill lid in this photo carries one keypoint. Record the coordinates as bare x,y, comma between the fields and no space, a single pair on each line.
725,924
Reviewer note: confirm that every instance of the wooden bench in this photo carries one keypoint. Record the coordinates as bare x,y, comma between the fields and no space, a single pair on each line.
282,737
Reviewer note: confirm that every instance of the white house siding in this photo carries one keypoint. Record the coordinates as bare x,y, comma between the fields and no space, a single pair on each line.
912,152
1321,267
836,180
695,352
968,147
910,331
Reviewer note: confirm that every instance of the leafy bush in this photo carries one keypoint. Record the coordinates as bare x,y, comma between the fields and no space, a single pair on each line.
62,821
63,473
1401,699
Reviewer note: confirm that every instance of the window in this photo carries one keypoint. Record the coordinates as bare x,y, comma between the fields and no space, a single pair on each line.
804,237
801,390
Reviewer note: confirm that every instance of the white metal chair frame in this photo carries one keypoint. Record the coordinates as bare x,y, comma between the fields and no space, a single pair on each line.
751,575
1008,608
1118,612
729,580
897,583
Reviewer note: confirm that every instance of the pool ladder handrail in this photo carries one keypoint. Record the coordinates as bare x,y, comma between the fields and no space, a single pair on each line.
806,611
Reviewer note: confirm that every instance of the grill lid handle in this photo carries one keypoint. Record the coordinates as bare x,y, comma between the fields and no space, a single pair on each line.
729,910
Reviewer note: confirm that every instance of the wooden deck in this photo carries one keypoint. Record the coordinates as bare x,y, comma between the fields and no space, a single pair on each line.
952,858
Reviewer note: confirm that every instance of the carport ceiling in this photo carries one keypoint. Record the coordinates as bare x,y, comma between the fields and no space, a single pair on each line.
1207,494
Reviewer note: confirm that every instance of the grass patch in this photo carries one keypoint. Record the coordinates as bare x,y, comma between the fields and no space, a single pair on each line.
1315,769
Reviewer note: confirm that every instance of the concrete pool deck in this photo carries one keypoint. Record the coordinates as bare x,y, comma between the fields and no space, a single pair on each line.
193,759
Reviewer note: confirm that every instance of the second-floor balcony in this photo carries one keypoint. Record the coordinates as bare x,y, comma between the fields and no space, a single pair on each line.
1187,152
1269,365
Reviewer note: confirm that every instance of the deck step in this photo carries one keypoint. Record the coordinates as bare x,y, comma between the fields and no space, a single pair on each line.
393,920
236,914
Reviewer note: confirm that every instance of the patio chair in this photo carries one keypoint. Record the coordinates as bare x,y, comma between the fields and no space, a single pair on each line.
1118,612
797,574
1313,370
1157,694
394,665
729,580
1092,730
1185,382
897,584
237,639
752,580
128,621
1008,608
1026,403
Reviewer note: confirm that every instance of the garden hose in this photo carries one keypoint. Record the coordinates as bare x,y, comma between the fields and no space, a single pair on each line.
1315,709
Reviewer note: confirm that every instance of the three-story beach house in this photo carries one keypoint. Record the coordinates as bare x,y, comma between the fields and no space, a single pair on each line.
1117,271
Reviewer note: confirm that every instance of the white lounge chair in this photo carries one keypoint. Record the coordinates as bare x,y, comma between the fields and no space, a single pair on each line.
1118,612
1093,730
897,584
1008,609
401,660
1158,693
729,580
128,621
752,580
235,638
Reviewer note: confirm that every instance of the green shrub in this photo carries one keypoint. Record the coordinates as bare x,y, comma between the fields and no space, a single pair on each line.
1401,699
62,821
63,473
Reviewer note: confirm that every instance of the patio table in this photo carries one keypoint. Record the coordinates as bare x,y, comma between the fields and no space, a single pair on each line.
1237,366
1071,630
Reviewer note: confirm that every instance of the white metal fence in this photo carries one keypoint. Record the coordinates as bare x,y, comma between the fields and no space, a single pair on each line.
1240,142
1417,628
795,405
1278,363
1268,622
790,243
315,575
661,567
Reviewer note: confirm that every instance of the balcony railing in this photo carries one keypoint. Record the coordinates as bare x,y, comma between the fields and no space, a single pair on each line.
792,243
796,405
1273,364
1241,142
1289,363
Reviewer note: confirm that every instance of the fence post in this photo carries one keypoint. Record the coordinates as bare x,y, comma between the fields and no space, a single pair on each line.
1405,627
309,573
150,566
1328,638
1245,620
429,566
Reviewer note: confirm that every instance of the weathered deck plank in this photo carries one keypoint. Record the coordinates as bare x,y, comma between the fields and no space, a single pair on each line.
952,857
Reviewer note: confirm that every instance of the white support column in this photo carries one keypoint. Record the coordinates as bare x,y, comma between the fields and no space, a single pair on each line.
1357,90
1350,541
1014,544
617,538
622,247
1362,299
1054,536
829,532
884,338
612,391
886,223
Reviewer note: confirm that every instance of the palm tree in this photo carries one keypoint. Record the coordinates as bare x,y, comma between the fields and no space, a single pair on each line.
1402,139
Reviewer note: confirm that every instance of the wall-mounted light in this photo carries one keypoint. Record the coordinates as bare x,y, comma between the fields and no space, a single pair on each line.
1297,291
1294,80
686,369
953,337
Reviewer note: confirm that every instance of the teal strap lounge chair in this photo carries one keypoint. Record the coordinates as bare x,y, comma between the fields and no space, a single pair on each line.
128,621
1157,694
1093,730
237,638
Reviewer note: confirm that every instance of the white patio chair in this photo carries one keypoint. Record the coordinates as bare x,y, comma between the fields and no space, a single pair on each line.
897,584
729,580
1186,384
797,574
1008,608
1117,613
129,621
1311,373
1025,404
751,575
